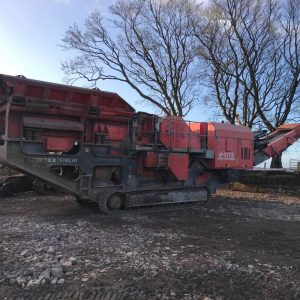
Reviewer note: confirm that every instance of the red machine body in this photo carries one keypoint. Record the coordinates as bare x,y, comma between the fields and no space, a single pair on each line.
58,111
232,145
93,144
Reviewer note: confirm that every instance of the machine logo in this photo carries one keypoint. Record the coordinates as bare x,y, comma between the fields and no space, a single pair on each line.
226,156
56,160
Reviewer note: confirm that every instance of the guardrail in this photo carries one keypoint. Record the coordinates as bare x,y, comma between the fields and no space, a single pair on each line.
294,165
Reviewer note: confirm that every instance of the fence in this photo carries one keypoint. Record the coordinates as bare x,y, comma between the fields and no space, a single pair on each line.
294,165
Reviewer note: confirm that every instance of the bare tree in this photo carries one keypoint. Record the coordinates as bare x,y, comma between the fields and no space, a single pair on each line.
251,52
290,25
224,68
148,44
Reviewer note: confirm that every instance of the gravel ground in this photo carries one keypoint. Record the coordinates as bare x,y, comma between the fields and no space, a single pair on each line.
245,246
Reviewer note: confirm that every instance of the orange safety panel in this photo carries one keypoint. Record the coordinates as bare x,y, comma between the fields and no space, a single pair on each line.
179,165
175,133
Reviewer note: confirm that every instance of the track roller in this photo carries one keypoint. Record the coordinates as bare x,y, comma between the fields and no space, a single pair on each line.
109,202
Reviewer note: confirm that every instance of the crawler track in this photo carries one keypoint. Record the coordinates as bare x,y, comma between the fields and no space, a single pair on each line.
140,206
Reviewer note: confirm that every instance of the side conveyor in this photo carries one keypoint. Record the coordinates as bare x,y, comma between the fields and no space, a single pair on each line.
276,142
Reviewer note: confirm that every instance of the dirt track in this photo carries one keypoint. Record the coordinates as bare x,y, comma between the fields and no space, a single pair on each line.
247,246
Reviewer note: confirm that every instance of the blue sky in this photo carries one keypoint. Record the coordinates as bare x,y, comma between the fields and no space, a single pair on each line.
31,30
30,35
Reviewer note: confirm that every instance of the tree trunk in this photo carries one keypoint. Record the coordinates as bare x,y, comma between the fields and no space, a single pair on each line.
276,161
